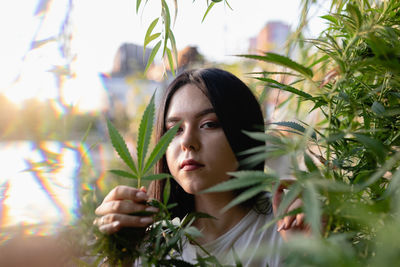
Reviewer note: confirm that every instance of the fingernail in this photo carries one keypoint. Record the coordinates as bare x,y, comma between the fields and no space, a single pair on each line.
280,227
141,195
294,223
151,209
146,220
115,224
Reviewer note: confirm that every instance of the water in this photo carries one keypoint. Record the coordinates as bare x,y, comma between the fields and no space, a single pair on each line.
40,184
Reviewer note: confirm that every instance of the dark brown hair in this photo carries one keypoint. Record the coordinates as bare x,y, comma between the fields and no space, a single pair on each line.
237,109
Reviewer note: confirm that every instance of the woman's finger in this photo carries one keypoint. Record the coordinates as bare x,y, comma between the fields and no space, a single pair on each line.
122,192
112,223
300,220
122,206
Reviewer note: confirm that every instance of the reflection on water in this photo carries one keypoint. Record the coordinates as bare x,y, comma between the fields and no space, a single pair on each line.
39,184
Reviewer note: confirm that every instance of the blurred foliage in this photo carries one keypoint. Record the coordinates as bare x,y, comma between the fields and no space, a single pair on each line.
38,120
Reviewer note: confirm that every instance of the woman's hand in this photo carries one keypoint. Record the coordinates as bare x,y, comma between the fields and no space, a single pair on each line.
289,224
118,204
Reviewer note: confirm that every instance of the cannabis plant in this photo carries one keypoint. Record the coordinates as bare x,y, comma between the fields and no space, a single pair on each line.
346,161
161,243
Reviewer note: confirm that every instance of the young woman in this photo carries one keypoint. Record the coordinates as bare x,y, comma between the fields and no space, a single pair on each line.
214,107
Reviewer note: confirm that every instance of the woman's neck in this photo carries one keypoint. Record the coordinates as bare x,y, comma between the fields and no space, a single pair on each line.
223,222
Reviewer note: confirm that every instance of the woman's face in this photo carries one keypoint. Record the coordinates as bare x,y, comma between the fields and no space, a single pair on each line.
199,156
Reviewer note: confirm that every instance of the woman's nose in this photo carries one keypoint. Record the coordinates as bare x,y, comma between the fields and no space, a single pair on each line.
190,140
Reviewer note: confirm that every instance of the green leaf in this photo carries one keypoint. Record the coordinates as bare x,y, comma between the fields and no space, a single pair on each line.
282,61
144,135
173,46
149,37
294,126
161,147
310,163
261,136
167,23
292,193
330,18
120,146
392,161
123,174
152,55
138,5
284,87
159,176
372,145
170,61
193,232
378,108
166,192
249,193
208,10
312,208
188,219
244,179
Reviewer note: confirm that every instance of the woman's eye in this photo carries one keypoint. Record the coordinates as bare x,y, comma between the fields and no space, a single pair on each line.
210,124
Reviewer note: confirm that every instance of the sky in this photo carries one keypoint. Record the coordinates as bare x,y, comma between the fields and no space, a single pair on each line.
99,27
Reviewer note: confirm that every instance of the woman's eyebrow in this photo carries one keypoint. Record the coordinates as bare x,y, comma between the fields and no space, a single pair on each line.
198,115
205,112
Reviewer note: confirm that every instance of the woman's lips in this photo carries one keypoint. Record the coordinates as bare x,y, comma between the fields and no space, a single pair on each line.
190,165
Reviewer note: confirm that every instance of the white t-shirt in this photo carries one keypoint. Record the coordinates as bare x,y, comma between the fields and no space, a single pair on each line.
254,247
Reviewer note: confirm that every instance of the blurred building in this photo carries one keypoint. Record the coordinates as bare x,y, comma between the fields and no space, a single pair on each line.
271,38
130,59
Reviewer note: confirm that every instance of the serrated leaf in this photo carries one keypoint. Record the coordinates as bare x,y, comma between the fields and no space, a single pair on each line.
159,176
261,136
372,145
244,179
123,174
284,87
152,55
161,147
145,131
249,193
295,126
208,10
120,146
312,208
378,108
282,61
310,163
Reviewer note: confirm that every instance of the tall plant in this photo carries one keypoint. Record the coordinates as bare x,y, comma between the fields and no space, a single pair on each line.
346,164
